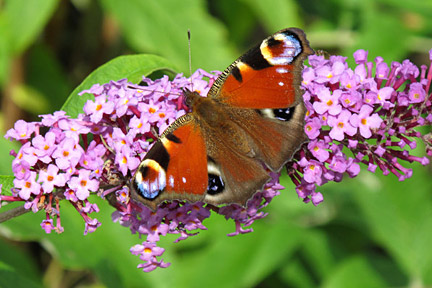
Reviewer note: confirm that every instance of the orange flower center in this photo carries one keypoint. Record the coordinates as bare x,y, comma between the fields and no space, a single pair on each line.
147,250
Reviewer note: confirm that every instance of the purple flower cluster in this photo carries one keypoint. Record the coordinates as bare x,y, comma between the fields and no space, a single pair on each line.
53,166
371,111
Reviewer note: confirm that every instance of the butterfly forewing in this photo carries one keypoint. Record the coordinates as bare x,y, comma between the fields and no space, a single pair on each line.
268,75
182,170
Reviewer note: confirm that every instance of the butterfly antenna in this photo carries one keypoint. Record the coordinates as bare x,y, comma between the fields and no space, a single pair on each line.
190,57
151,90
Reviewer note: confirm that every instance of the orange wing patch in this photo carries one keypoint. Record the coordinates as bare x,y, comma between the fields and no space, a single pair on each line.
271,87
187,169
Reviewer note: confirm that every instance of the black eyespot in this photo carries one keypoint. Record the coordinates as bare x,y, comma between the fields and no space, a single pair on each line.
215,184
273,42
255,59
236,73
284,114
159,154
173,138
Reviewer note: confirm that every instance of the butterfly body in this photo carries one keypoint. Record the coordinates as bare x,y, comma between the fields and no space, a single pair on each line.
250,123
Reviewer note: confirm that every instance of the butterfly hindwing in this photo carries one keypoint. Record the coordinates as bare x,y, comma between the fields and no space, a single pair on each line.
275,141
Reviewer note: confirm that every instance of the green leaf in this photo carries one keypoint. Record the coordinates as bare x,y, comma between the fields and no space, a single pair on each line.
295,274
45,75
318,251
240,31
7,182
244,260
286,15
5,147
390,30
399,215
19,261
25,20
10,277
131,67
4,52
355,271
161,27
420,7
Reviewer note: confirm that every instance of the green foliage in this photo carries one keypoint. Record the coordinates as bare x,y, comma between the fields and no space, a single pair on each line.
6,164
402,224
21,22
162,27
372,231
7,182
46,76
17,267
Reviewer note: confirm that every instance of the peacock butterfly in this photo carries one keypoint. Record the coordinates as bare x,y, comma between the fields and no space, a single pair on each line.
252,120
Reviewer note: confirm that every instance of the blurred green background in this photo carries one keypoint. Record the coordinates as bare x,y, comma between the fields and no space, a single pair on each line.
371,231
